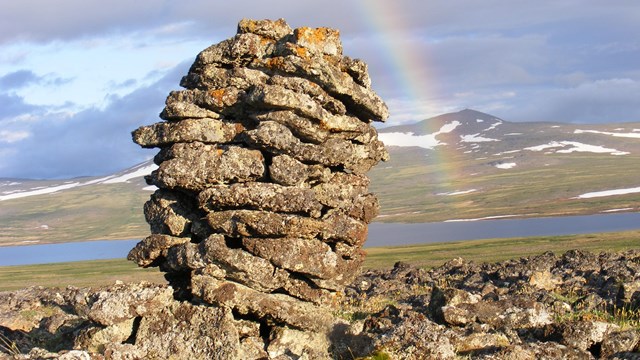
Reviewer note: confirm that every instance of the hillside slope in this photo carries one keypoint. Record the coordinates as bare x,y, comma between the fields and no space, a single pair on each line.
464,165
92,208
471,165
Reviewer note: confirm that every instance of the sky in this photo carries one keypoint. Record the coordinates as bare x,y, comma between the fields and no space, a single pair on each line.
77,76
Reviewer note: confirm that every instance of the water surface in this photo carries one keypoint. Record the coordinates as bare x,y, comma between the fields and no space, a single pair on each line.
380,234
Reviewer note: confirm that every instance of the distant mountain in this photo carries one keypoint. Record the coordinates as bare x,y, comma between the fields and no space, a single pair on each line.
88,208
470,165
460,166
471,120
475,132
20,188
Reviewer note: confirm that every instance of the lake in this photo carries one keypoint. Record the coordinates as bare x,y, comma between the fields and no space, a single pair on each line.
380,234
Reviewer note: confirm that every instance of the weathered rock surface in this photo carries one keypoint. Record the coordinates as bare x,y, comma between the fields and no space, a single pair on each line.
539,307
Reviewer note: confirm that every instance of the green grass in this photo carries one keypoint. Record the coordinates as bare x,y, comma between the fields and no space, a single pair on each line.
492,250
112,211
102,272
407,186
81,274
541,185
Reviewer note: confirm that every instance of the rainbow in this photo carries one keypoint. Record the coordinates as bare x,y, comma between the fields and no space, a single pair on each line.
406,67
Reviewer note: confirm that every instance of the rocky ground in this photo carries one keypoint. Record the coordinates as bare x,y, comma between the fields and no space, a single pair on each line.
577,305
574,306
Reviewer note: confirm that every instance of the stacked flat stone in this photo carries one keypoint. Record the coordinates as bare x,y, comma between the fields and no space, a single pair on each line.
263,204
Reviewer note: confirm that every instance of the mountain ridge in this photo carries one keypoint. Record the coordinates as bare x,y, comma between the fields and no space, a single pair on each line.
473,170
476,132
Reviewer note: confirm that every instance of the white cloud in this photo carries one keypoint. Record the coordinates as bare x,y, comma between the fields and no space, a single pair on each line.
96,65
600,101
572,61
9,137
94,141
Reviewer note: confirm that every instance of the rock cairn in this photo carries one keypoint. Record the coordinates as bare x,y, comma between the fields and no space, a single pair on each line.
263,204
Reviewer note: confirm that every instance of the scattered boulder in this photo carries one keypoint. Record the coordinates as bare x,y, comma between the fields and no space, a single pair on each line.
458,310
540,307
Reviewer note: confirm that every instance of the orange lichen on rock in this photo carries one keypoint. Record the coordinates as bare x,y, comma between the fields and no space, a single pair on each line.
323,40
317,35
218,95
275,63
300,51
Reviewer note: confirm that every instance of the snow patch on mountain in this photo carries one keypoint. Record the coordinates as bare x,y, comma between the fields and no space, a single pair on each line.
604,193
9,183
428,141
453,193
615,134
507,152
42,191
550,145
494,125
505,166
473,138
574,146
136,172
483,218
617,210
140,172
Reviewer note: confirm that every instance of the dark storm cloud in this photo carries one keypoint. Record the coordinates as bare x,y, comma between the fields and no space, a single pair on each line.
91,142
32,20
13,105
598,101
22,78
39,20
122,85
570,60
18,79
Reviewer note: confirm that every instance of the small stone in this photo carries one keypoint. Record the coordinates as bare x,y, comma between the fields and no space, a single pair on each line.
320,40
169,212
618,342
185,331
179,110
306,256
285,170
544,280
274,30
123,302
274,308
95,339
154,246
194,166
207,130
260,196
301,344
